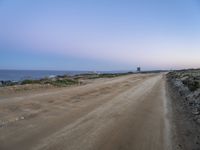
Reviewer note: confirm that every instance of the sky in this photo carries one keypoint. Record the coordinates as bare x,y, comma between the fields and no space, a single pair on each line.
99,34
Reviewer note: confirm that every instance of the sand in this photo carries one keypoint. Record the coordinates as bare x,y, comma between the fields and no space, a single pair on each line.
122,113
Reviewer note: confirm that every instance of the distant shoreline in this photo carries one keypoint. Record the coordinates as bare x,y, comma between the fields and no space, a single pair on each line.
20,75
66,78
62,80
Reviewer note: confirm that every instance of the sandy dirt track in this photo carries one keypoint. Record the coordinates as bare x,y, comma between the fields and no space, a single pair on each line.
123,113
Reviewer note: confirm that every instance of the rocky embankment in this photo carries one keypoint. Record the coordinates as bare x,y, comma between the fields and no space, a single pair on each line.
185,90
187,83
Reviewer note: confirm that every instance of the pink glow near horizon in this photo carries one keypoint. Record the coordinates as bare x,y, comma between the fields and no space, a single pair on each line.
130,38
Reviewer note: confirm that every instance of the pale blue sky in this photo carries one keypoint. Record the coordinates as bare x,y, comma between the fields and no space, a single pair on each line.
99,35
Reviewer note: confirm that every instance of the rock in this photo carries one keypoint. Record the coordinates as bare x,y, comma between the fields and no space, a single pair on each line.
191,103
8,83
17,119
22,118
195,112
198,120
184,78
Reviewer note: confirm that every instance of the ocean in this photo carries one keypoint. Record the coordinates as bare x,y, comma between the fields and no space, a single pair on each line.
18,75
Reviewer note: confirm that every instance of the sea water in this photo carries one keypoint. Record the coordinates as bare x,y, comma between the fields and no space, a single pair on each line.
17,75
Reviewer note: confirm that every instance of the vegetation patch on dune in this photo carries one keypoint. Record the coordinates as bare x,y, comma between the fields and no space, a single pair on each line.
63,80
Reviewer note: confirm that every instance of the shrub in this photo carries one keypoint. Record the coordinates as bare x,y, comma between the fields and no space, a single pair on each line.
30,82
63,82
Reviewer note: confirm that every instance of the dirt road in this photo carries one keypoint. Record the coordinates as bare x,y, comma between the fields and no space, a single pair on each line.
123,113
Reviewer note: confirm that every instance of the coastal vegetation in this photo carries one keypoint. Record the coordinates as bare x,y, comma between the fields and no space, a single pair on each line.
62,80
189,78
187,84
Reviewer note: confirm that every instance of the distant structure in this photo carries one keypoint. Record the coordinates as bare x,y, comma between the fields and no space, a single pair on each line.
138,69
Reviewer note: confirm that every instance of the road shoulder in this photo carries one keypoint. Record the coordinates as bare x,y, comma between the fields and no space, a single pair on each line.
185,132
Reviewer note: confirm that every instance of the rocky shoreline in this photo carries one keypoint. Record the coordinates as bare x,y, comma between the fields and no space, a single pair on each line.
62,80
